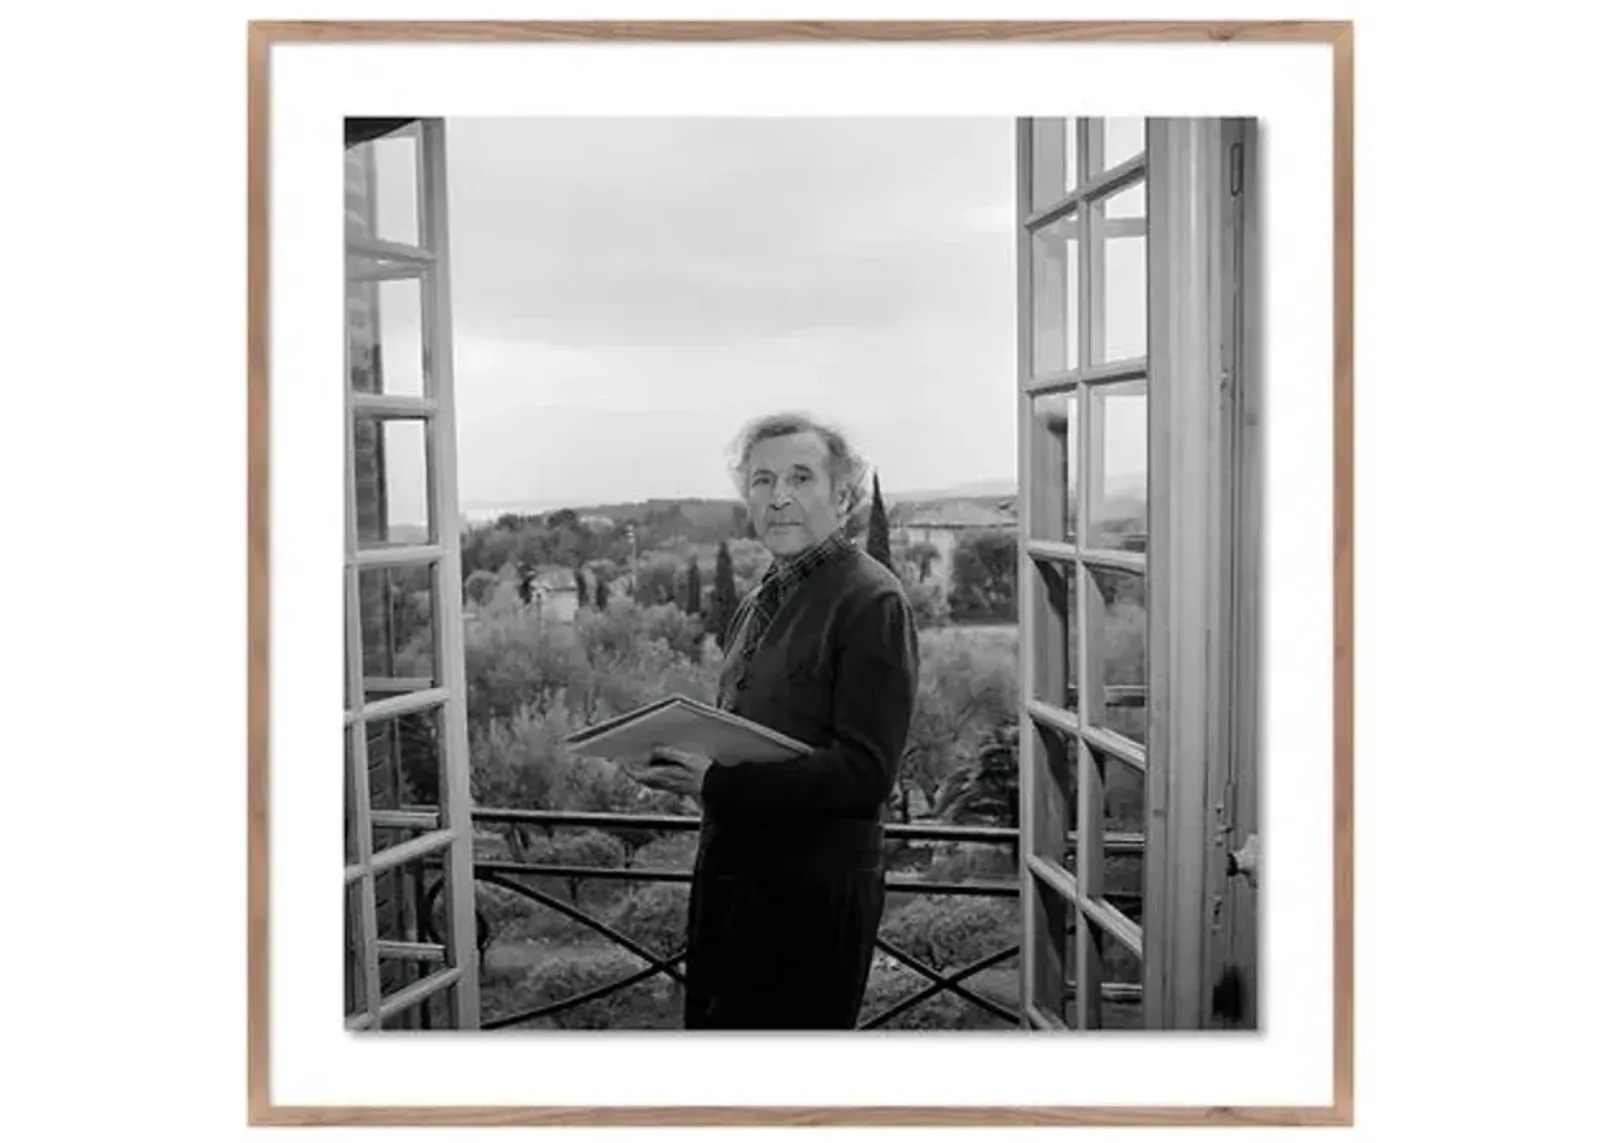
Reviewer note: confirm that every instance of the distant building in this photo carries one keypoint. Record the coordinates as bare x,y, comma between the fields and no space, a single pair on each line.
943,525
555,594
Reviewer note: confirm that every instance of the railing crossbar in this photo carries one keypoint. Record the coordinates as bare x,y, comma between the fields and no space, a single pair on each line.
511,876
943,983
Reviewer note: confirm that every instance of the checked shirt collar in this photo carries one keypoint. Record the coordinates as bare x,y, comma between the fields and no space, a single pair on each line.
750,622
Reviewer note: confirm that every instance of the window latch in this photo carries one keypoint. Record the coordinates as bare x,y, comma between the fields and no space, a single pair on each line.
1246,862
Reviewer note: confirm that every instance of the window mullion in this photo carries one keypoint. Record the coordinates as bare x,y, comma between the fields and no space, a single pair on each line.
1087,970
1184,585
455,778
1043,964
367,952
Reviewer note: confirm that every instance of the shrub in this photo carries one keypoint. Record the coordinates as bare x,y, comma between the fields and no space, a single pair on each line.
657,916
669,851
566,973
887,988
966,688
590,849
948,933
928,604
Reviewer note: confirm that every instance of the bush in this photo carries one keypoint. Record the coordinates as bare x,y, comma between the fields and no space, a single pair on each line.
928,604
515,919
514,662
948,933
669,851
590,849
657,916
944,1011
966,688
563,974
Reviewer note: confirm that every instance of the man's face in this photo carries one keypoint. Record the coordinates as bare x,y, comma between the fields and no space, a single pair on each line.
793,503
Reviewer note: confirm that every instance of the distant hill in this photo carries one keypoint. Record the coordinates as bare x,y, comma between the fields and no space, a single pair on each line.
1000,488
701,520
701,508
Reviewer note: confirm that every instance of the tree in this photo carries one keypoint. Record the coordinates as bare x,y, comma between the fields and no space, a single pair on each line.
964,691
929,606
724,597
654,582
878,529
983,577
479,586
985,790
694,586
602,595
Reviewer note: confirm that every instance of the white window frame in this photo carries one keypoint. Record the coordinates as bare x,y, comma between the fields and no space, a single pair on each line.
447,829
1198,761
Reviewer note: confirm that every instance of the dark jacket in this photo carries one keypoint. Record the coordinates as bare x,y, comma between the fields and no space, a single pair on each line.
789,881
837,669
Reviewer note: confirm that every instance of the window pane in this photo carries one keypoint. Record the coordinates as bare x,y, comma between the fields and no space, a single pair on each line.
1124,138
1055,650
1120,972
1122,828
403,768
1056,773
1052,966
411,910
381,193
1118,963
391,462
355,993
1119,1011
1121,294
1121,885
1124,872
1055,297
1070,992
1055,467
384,322
349,650
1123,680
1119,509
399,651
351,834
1055,160
430,1015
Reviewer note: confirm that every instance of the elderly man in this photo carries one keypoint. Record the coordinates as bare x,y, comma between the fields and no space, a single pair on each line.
789,879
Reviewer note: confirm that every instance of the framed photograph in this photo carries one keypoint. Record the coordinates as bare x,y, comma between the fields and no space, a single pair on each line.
959,411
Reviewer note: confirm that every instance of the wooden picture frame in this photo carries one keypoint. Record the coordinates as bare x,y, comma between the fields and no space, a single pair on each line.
1338,36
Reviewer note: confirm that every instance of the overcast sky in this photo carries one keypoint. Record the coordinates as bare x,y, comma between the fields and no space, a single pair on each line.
627,293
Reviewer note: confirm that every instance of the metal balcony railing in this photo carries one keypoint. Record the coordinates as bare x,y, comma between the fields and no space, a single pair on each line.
514,877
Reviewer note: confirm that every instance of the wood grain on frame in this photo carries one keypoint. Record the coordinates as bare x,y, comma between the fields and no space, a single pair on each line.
257,562
1339,35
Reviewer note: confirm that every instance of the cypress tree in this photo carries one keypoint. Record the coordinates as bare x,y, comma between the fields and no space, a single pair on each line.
878,529
694,586
724,597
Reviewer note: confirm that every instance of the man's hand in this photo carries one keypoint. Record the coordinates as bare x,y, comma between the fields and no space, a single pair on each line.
675,771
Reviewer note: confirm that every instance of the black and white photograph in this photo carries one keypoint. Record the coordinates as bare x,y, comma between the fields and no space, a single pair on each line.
801,574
